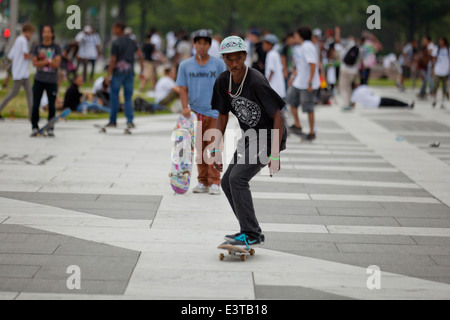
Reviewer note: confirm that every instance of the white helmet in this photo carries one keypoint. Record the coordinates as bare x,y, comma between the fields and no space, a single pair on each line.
233,44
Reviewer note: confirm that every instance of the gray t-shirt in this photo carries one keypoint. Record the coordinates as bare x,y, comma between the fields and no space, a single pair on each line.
124,49
46,74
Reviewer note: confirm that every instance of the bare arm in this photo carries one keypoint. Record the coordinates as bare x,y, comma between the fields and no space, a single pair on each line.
112,66
40,64
186,111
311,76
221,126
278,126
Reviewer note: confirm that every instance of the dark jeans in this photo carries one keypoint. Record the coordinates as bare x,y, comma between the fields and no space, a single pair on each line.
235,184
127,81
364,75
387,102
38,91
84,63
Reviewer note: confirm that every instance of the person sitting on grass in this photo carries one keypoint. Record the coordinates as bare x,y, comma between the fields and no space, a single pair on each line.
79,102
166,90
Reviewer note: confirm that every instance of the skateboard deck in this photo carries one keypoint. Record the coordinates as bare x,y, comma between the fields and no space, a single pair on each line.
53,121
183,138
104,129
235,251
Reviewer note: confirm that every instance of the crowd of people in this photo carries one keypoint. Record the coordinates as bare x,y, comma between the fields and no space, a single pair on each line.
307,67
256,77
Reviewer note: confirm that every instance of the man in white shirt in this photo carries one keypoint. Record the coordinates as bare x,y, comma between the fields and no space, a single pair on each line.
20,55
306,80
166,90
274,67
89,50
441,59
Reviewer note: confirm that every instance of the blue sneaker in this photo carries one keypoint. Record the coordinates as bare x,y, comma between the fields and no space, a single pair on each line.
243,242
231,237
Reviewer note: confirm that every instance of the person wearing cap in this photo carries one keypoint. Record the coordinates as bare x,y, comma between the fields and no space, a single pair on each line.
196,77
89,50
247,94
274,66
258,55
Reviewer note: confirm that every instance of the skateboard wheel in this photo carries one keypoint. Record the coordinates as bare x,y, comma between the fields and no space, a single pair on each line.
252,252
243,258
229,252
170,175
221,257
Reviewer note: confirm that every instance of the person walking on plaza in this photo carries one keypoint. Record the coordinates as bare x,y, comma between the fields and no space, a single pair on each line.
441,59
350,57
46,59
88,50
121,68
407,60
247,94
274,67
20,56
196,77
306,80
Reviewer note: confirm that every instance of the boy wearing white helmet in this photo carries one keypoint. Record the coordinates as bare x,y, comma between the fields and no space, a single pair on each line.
247,94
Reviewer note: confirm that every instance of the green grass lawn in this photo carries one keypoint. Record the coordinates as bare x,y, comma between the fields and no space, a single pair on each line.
20,110
18,106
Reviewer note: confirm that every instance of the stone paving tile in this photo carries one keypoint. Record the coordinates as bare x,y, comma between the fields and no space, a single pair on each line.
293,293
111,206
31,264
280,237
327,220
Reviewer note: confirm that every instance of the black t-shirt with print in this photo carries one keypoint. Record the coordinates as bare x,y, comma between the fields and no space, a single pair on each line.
254,108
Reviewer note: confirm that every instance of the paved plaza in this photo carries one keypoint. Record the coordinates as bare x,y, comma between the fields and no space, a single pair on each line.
369,192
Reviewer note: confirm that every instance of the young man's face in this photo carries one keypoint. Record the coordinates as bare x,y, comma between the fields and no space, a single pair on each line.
297,38
267,46
78,81
173,73
47,34
235,61
28,35
116,31
202,47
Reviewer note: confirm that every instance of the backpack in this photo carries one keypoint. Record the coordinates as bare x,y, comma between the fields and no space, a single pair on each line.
143,106
352,56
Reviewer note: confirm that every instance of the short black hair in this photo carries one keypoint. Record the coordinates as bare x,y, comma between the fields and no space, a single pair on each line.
305,33
120,25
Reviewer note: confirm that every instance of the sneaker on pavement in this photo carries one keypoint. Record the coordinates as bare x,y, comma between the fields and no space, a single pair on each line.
50,133
311,137
242,242
201,188
296,130
214,190
34,133
231,237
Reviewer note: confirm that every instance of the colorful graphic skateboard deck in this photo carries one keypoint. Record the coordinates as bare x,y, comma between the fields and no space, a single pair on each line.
183,138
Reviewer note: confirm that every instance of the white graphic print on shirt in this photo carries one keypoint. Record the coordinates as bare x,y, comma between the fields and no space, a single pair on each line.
248,112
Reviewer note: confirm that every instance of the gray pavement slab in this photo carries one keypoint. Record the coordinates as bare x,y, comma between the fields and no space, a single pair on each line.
114,189
293,293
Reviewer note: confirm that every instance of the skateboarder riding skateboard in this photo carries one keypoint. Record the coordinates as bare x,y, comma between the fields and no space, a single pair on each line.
247,94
